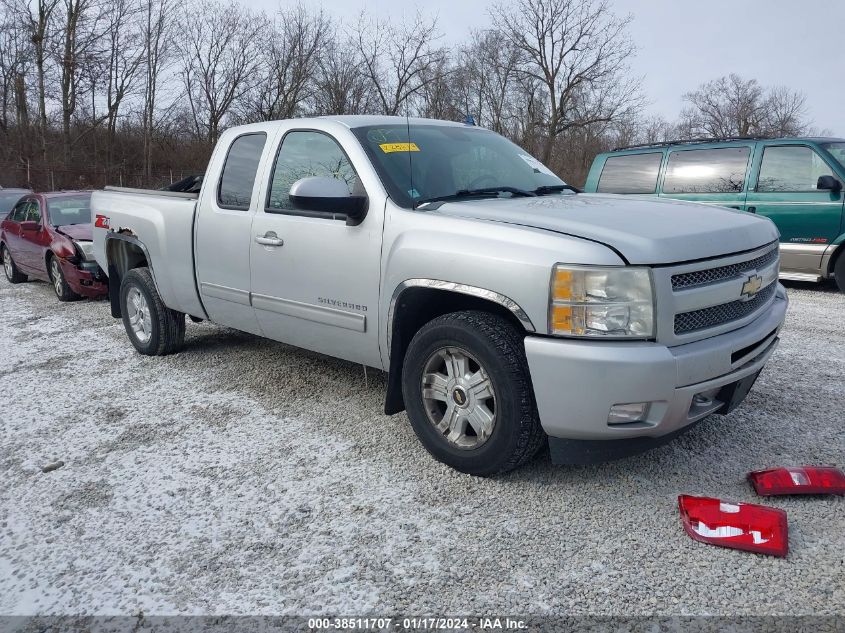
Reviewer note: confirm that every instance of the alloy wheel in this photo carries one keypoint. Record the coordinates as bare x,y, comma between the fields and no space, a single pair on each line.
139,314
56,274
459,397
7,264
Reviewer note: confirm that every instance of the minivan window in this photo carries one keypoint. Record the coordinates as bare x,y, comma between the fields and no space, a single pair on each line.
306,153
238,178
633,173
719,170
791,168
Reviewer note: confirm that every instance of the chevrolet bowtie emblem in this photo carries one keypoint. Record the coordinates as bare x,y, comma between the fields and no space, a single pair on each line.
752,286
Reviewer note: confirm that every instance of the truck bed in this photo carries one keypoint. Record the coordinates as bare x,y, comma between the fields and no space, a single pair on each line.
161,221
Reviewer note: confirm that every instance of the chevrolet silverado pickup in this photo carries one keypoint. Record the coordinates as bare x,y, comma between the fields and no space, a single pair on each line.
508,309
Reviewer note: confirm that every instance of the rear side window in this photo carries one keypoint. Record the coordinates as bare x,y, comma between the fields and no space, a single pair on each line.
791,168
634,173
706,170
239,170
19,212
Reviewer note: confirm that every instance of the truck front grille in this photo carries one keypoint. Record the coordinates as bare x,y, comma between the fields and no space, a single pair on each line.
719,314
721,273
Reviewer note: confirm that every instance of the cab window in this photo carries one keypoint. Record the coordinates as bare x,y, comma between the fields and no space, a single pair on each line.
239,171
791,168
303,154
634,173
718,170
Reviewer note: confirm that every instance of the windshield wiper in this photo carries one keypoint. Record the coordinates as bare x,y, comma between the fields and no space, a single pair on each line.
485,191
539,191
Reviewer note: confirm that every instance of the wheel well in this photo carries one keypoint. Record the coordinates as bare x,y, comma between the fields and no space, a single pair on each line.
414,308
122,256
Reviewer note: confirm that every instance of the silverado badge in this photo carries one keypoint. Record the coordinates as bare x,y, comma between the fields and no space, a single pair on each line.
752,286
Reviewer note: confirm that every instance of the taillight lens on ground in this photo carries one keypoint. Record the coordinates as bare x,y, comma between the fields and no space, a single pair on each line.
805,480
742,526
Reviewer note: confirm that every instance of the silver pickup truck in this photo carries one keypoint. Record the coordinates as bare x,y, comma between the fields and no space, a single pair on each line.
509,309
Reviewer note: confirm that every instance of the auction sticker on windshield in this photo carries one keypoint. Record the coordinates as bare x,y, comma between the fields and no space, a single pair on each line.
389,148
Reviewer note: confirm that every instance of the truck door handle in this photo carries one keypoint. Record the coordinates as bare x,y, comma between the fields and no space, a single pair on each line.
269,239
751,209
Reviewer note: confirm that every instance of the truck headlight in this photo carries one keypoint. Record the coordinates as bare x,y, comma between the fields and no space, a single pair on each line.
86,248
611,302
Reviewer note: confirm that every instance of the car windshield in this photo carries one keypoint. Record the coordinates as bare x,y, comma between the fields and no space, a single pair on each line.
69,210
8,201
837,150
440,161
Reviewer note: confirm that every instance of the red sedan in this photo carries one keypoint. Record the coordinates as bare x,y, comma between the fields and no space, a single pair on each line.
48,236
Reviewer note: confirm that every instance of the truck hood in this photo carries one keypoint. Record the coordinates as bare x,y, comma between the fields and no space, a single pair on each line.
77,231
644,231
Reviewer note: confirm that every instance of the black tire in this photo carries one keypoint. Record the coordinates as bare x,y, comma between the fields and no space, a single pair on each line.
166,327
16,276
498,346
839,271
57,279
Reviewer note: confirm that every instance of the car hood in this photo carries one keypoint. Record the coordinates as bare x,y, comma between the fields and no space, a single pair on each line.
644,231
77,231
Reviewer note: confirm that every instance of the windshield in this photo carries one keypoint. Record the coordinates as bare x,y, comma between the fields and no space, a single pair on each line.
69,210
837,150
8,201
441,160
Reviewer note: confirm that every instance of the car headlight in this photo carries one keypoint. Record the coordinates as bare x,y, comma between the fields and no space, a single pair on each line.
610,302
86,248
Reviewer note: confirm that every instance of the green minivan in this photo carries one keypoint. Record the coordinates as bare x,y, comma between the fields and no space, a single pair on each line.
797,182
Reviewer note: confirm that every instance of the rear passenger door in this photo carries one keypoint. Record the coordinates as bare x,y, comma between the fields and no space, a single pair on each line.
223,232
785,191
715,175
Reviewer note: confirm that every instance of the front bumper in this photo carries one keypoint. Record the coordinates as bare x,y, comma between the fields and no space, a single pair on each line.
85,278
577,382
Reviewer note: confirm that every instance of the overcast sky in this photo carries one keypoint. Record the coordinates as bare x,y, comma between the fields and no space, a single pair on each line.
683,43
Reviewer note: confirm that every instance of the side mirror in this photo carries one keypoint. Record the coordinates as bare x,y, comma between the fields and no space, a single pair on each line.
328,195
829,183
30,225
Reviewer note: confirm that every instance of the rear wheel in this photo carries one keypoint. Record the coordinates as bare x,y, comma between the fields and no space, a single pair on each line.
57,278
14,275
839,271
468,393
153,328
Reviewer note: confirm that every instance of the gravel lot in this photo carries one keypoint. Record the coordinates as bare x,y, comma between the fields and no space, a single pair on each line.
244,476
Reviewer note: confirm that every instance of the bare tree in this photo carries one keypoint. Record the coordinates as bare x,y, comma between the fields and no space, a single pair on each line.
578,50
290,63
156,28
218,57
400,61
734,106
342,86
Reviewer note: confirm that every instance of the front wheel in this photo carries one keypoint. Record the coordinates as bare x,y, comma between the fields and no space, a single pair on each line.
839,271
468,393
153,328
57,278
14,275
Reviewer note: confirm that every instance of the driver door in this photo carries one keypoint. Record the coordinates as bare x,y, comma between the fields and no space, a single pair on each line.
315,280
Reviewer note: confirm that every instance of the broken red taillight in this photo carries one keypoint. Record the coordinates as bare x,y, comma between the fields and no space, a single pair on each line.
742,526
805,480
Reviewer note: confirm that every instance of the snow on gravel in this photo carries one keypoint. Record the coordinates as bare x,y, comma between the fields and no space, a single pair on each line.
244,476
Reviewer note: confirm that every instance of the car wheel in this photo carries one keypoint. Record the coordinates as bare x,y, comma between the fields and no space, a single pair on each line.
153,328
839,271
57,278
468,393
14,275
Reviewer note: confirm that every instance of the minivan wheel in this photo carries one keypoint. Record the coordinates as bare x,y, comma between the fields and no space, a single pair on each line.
839,271
468,393
14,275
153,328
57,278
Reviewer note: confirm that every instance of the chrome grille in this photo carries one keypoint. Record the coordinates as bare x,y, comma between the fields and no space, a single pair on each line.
713,275
724,313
